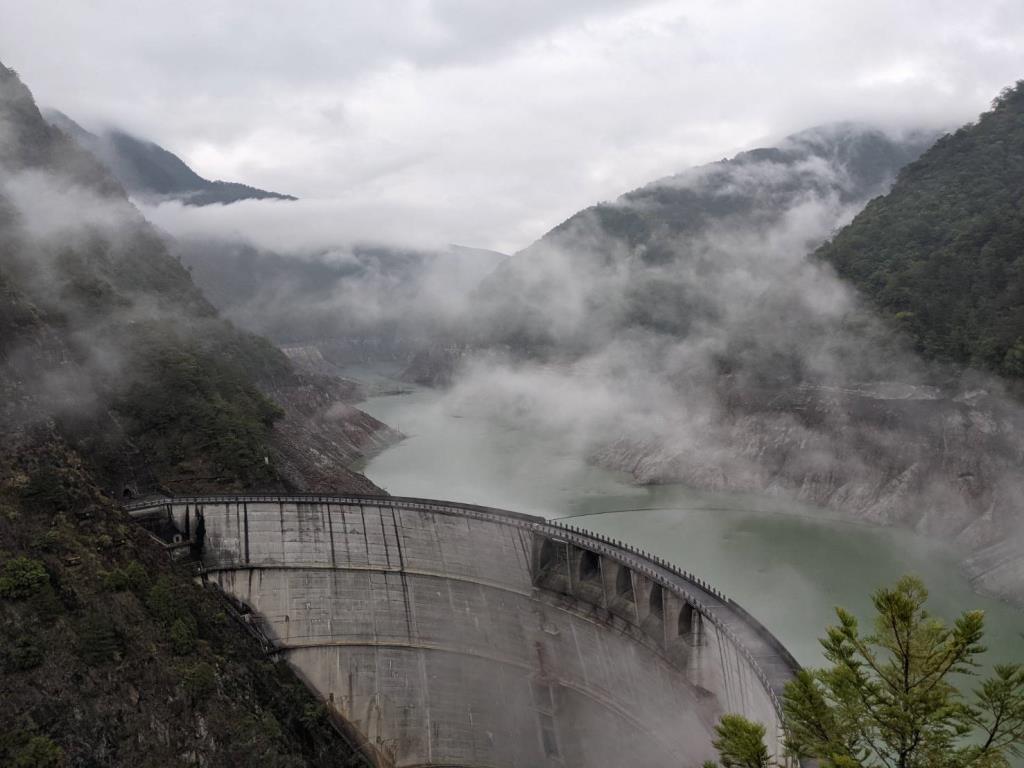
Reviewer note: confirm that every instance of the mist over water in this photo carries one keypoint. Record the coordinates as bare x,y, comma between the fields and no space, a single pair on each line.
786,563
680,334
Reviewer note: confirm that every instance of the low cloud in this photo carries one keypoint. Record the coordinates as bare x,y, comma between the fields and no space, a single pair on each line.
303,226
488,127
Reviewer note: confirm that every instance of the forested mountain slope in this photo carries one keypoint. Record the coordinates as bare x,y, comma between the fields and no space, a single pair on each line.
653,258
117,377
381,300
942,253
683,334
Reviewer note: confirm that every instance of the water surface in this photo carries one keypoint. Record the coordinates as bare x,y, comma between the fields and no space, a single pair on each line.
786,563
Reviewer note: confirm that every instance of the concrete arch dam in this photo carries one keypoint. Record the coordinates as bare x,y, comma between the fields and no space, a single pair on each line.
457,635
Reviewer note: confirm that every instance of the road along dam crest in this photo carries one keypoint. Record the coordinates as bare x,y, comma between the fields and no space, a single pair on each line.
448,634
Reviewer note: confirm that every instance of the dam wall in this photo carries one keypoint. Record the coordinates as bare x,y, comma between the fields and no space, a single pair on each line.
458,635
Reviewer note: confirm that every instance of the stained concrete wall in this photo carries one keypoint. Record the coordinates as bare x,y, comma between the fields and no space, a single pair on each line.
453,635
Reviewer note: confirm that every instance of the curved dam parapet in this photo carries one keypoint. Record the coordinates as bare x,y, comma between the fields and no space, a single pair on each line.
458,635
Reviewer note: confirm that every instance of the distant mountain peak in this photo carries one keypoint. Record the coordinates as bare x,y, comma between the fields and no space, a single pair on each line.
148,171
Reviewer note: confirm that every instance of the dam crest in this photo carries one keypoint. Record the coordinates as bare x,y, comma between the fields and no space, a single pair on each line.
457,635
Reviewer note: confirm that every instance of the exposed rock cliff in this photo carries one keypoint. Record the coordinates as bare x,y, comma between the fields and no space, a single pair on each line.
322,435
943,461
946,467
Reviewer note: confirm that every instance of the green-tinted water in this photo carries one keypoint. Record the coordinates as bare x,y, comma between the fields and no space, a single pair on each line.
787,564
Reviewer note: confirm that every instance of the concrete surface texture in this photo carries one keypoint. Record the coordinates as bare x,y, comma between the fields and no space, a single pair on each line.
457,635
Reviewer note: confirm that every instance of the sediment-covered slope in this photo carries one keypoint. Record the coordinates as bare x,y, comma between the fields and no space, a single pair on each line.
943,464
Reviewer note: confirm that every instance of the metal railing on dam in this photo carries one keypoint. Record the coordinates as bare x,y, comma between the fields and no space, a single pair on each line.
609,649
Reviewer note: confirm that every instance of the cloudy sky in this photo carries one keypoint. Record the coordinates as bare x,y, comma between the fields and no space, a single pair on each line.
486,123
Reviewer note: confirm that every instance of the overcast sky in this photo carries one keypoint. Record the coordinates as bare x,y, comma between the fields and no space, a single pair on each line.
486,123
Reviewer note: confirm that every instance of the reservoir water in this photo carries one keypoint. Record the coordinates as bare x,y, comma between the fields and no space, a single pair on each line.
788,564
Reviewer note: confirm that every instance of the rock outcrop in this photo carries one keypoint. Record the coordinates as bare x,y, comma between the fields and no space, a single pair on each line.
945,466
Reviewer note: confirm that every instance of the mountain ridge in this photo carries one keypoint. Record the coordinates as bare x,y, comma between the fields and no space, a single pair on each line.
758,368
939,255
118,379
149,171
620,262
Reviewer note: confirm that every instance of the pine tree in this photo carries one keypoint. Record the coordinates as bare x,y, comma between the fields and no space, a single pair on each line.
894,698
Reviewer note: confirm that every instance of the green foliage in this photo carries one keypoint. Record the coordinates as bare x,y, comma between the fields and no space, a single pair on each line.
132,577
199,681
941,253
114,581
313,715
46,490
21,654
1013,362
51,541
38,752
740,743
161,602
22,577
136,576
24,748
174,613
186,403
183,636
889,697
98,642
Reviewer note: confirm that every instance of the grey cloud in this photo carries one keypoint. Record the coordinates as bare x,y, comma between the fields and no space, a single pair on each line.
494,121
773,377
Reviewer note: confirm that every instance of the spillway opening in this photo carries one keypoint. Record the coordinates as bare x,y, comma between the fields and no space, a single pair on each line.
657,602
686,620
624,583
590,566
549,554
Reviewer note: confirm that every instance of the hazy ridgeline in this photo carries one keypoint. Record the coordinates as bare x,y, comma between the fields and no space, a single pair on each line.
831,322
681,333
149,172
105,333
